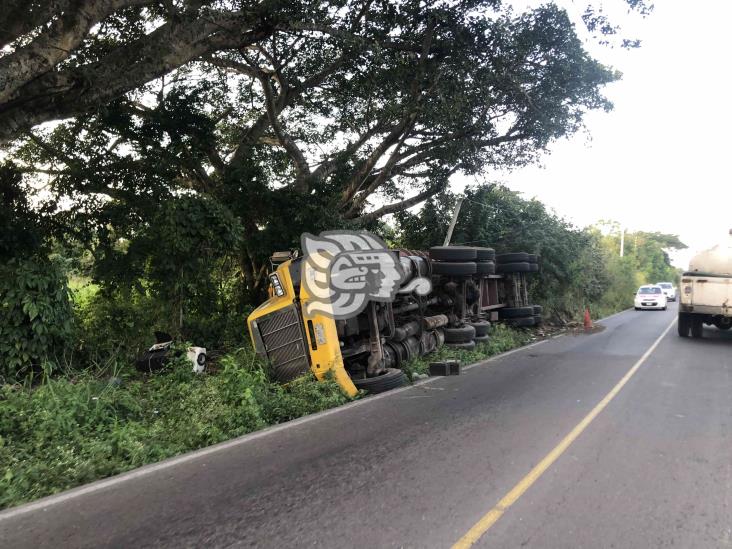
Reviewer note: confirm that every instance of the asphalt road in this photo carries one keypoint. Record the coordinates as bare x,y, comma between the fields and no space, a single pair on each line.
421,466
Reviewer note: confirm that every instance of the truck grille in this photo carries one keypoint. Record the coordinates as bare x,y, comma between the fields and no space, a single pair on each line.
284,343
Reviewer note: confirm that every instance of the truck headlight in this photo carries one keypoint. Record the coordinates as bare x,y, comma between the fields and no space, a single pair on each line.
276,285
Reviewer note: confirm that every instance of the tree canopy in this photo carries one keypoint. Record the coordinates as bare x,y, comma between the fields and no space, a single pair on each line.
62,58
303,117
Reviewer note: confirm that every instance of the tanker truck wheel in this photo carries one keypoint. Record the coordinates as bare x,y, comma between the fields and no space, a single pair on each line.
684,324
697,327
390,379
725,324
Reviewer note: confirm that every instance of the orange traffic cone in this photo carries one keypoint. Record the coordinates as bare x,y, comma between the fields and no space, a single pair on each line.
588,319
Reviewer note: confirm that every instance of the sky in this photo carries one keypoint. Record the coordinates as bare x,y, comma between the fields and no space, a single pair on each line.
660,160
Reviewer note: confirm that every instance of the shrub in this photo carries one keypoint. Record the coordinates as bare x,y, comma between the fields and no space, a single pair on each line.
35,314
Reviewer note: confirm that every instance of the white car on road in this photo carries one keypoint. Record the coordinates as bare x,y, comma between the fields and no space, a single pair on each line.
668,289
650,296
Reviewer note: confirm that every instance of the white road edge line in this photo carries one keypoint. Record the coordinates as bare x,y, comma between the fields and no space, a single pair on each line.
145,470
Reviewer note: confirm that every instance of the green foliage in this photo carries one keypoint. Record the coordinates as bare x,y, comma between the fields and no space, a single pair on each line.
35,314
579,267
76,429
116,323
502,339
20,230
93,424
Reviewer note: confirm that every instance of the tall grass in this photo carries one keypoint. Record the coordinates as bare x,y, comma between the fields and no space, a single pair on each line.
82,424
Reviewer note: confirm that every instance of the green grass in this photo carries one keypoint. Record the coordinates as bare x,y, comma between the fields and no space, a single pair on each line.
79,426
74,429
502,339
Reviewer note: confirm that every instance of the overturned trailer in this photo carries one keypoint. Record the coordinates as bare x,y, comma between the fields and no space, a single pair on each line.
447,296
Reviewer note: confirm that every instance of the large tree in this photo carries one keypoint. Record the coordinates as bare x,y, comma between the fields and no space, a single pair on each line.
306,117
62,58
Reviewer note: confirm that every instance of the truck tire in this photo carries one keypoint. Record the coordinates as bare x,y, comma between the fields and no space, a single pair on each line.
454,269
538,309
533,258
723,325
482,339
534,267
683,324
485,254
465,346
525,322
485,267
518,257
537,320
390,379
515,312
481,327
459,335
697,327
453,253
519,267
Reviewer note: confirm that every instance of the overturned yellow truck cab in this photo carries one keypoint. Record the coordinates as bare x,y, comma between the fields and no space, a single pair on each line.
290,339
364,311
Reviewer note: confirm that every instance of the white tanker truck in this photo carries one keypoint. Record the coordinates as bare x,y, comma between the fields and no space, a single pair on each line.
706,291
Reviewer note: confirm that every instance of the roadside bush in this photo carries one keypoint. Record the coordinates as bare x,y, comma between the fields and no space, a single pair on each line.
75,429
35,314
115,323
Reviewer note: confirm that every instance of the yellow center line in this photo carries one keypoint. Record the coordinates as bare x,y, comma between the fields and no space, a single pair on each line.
492,516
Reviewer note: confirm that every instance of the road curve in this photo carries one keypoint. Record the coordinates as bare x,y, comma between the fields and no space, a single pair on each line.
419,467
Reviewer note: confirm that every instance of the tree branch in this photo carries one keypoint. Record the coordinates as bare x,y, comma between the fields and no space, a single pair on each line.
404,204
55,43
273,110
19,17
75,90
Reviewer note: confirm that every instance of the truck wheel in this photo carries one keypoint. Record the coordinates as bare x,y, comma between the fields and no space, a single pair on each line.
722,325
481,327
518,257
538,309
515,312
459,335
453,269
522,267
390,379
464,346
534,267
525,322
482,339
533,258
683,325
697,327
485,254
485,267
453,253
